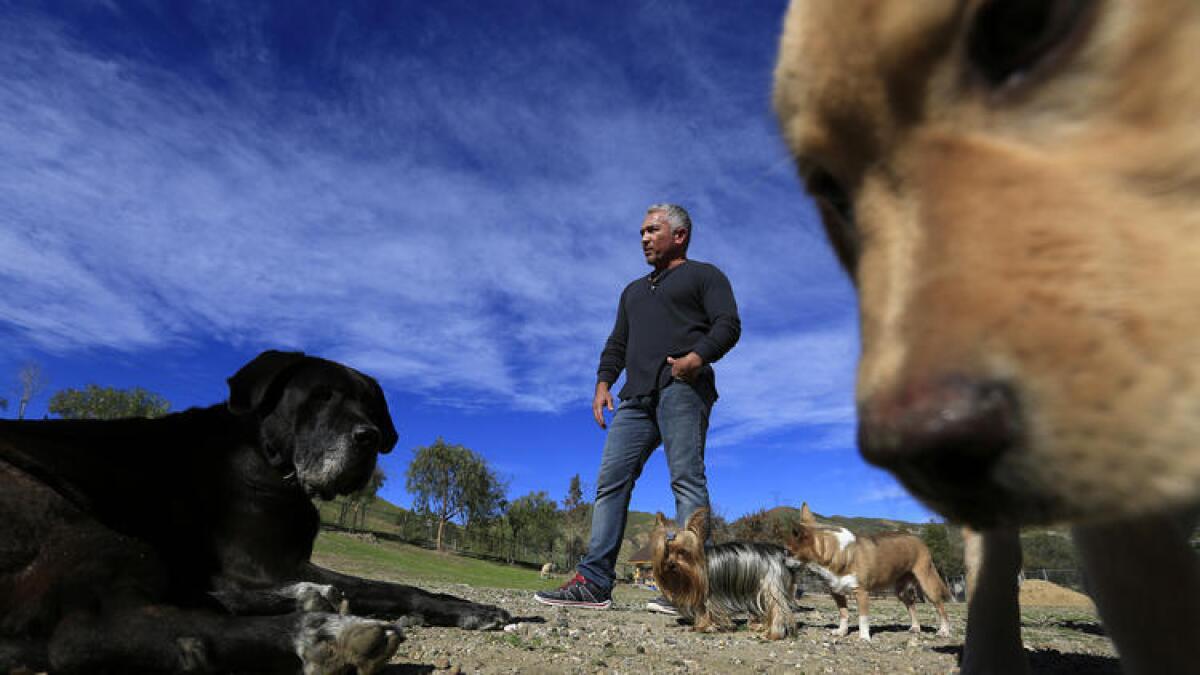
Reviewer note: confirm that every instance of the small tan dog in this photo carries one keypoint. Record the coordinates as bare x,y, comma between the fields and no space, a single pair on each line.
852,564
1014,186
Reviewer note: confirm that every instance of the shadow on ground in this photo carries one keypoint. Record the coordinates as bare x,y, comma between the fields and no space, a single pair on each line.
1050,661
406,669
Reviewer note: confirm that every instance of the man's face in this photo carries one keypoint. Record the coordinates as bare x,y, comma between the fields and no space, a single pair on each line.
659,244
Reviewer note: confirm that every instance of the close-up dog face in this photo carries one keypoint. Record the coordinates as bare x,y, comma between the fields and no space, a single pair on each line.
326,421
1014,187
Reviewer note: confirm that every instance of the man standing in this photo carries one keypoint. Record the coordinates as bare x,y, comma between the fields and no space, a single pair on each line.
671,326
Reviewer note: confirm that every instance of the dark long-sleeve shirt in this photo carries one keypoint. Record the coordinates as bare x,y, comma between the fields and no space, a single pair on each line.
688,308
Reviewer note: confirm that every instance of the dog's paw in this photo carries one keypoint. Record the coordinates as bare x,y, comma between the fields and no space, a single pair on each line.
332,644
193,655
914,629
484,617
312,597
865,637
944,631
839,632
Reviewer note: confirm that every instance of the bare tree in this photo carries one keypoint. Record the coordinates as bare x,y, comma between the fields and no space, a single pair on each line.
30,381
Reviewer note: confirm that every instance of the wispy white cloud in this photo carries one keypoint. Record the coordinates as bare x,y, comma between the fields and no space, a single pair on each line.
883,493
461,230
788,379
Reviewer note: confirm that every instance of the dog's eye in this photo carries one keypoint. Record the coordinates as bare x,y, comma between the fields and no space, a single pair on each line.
837,213
1008,38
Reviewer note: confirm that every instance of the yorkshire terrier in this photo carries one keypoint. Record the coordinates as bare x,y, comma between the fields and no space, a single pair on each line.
711,584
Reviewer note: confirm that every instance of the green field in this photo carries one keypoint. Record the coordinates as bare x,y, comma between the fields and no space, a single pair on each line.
412,564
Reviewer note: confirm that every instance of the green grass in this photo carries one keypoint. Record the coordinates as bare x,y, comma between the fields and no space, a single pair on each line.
413,564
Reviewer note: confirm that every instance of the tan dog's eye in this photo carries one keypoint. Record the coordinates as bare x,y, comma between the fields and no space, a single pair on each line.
1009,38
837,213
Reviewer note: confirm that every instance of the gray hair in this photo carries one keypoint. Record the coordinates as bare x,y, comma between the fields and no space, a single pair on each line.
676,216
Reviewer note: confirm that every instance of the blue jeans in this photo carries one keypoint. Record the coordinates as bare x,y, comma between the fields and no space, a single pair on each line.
679,421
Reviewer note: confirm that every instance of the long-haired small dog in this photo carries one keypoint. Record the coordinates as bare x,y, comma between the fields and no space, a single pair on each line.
711,584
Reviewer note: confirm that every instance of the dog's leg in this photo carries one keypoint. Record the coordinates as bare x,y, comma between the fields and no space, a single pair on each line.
936,592
843,615
705,623
993,643
19,655
166,639
907,595
778,621
863,598
299,597
944,620
380,598
1127,567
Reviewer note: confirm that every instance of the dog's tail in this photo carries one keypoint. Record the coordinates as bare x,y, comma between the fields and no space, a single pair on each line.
930,580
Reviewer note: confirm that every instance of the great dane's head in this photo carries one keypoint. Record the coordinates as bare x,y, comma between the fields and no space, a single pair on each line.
320,421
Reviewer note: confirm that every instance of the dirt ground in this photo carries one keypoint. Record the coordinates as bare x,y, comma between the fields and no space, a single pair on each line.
629,639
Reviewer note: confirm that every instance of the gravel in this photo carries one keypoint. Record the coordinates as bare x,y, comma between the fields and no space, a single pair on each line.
628,639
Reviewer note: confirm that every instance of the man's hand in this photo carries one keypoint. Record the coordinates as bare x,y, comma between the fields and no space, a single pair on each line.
685,367
601,400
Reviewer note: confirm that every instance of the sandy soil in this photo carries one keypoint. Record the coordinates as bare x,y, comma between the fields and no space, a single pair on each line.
1035,592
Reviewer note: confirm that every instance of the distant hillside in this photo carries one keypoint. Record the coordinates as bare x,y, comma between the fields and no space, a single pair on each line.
640,524
1047,547
858,524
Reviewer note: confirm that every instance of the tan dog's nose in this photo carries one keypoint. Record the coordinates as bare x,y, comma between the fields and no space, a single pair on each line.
941,434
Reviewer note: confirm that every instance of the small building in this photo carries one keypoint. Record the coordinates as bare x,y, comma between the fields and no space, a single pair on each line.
643,568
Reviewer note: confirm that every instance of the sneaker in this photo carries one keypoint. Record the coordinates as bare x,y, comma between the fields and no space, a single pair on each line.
662,606
578,592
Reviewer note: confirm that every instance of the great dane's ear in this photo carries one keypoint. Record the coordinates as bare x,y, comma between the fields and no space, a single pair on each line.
381,417
249,385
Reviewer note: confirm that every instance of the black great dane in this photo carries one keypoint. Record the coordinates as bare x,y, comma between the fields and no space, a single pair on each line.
182,544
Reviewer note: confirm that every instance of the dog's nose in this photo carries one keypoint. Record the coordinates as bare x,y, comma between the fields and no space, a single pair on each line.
949,431
366,437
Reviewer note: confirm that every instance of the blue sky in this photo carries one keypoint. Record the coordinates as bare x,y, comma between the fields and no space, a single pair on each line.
445,195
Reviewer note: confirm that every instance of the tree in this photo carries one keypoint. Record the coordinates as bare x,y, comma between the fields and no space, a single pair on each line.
1048,550
756,526
946,557
452,482
534,520
94,402
30,382
574,496
577,518
354,506
719,529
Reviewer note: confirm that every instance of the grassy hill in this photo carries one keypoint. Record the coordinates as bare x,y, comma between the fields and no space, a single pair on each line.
404,563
